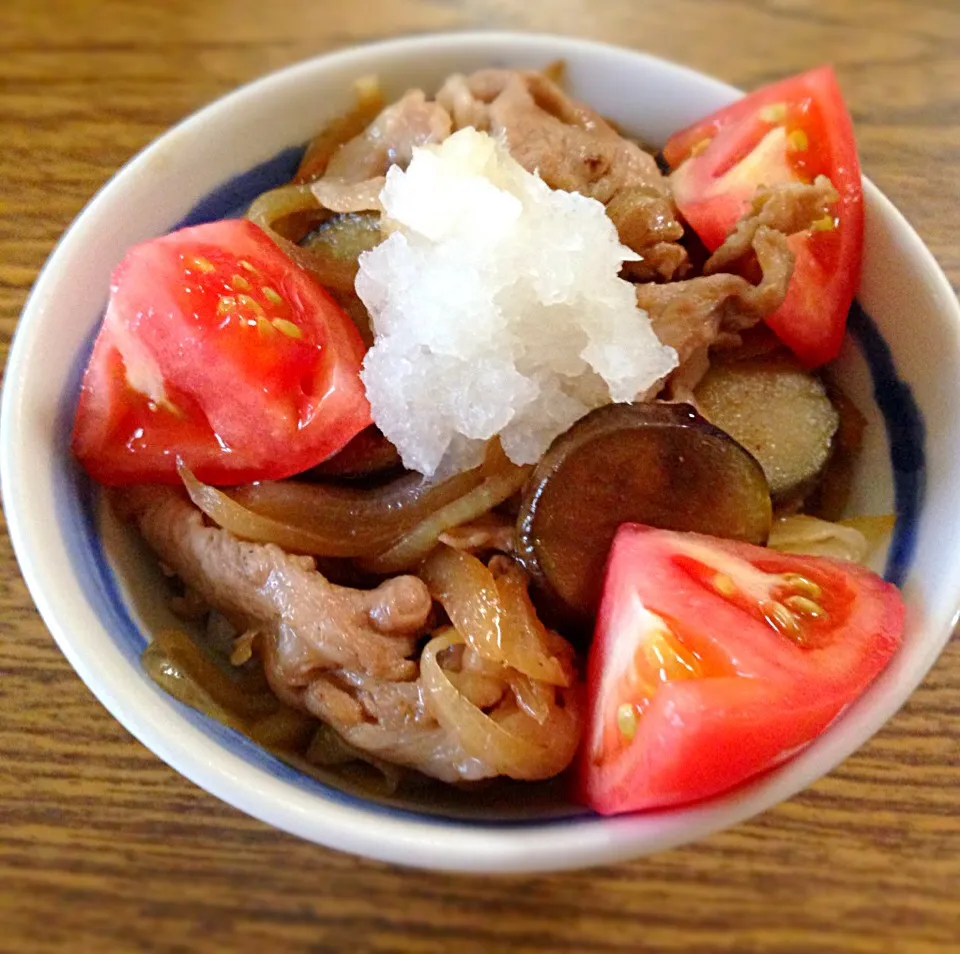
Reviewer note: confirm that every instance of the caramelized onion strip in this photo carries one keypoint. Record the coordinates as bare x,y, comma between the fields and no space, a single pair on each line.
510,741
269,211
380,515
327,520
341,130
248,525
533,696
177,664
530,645
467,591
420,541
494,616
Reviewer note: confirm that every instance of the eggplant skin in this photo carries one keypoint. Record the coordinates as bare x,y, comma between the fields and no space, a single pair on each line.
658,464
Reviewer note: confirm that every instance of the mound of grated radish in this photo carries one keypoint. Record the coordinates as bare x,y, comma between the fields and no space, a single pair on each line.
497,308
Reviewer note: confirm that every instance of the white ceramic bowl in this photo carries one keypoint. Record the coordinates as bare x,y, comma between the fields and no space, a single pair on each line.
101,619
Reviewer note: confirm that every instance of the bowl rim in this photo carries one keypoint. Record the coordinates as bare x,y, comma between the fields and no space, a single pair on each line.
441,844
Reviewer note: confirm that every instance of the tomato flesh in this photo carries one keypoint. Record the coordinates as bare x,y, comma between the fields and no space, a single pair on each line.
791,131
219,350
713,661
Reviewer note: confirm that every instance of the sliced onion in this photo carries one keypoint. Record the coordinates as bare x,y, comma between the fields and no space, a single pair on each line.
467,591
533,696
175,662
244,523
286,730
271,209
555,71
326,520
376,516
494,616
876,530
529,647
482,690
492,531
344,128
290,212
514,744
401,521
177,683
851,540
558,735
417,544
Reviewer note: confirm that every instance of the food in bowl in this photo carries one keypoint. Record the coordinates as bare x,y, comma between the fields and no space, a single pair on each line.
480,382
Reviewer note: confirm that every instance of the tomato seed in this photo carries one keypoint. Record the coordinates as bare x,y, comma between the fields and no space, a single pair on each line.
774,113
251,303
805,607
780,618
724,585
797,141
627,720
699,147
202,264
802,585
287,328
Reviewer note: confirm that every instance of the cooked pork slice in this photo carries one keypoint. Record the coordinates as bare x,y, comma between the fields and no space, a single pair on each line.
390,721
646,222
339,653
575,149
690,315
572,147
430,749
317,625
464,100
390,139
788,208
693,315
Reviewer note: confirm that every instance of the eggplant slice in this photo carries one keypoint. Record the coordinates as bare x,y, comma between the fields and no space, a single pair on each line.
657,464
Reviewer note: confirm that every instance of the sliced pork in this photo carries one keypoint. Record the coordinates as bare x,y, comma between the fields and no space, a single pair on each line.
693,315
574,148
341,654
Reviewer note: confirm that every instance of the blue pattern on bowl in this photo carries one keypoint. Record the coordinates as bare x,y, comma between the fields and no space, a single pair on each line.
906,434
76,509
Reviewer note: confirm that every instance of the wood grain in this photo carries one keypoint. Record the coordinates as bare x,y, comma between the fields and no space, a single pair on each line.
105,849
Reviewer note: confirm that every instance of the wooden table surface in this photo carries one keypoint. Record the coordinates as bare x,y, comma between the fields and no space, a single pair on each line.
103,848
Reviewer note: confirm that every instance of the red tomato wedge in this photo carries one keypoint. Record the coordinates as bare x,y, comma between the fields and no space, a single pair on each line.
714,660
216,348
791,131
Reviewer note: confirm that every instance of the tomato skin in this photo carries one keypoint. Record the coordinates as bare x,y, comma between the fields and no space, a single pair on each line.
720,161
219,350
758,695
